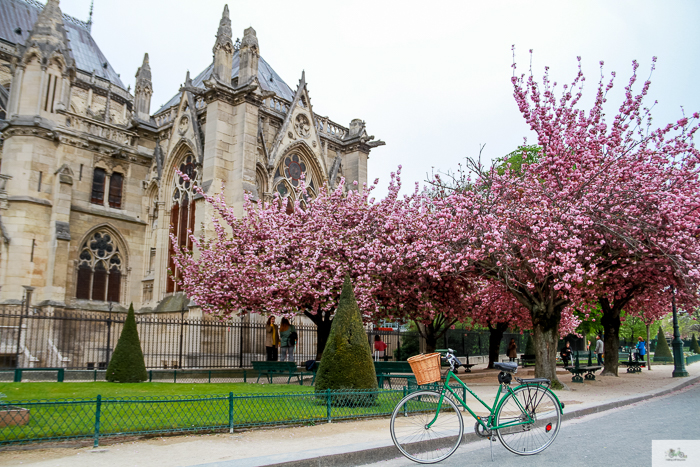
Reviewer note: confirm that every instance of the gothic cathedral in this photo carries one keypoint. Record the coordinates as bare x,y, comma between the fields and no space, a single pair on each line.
88,186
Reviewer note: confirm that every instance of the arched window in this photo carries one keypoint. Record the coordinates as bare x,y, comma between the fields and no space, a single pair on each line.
100,268
289,174
181,215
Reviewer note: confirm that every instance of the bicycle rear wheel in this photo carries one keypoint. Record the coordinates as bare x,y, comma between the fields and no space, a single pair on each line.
543,409
413,437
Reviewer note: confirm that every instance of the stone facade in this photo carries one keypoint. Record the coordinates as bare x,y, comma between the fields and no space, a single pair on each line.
88,187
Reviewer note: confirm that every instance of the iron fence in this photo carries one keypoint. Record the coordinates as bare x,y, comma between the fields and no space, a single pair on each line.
41,338
52,420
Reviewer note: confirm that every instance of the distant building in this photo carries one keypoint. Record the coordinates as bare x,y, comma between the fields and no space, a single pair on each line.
88,189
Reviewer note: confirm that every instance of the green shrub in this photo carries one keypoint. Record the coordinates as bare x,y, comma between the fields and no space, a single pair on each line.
530,346
694,346
663,352
347,359
409,346
127,365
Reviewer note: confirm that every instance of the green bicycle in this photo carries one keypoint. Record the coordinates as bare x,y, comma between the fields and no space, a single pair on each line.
427,426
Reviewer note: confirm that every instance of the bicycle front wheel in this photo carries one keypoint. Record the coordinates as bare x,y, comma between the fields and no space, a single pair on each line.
536,418
424,430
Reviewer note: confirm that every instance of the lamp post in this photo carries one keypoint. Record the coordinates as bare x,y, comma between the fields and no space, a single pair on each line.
678,363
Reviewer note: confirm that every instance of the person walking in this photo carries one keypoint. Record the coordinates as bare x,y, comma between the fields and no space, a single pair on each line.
641,349
272,339
379,348
512,350
288,339
566,354
599,350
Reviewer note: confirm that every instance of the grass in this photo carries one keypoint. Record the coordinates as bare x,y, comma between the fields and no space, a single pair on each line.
68,410
41,391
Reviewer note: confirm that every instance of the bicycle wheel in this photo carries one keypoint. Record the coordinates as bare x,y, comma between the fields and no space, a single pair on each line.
529,438
410,432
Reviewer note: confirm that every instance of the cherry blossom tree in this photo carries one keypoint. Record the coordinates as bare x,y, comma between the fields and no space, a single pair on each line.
542,230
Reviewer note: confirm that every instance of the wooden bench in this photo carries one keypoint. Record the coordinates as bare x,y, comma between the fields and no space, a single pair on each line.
577,370
633,365
527,359
289,369
388,370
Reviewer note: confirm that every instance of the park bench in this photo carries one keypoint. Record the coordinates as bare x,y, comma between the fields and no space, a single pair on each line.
527,359
271,369
633,365
587,370
388,370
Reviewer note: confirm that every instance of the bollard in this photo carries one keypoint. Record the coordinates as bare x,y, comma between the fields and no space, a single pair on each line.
328,405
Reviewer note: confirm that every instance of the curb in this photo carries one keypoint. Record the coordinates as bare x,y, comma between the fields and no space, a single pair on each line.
346,456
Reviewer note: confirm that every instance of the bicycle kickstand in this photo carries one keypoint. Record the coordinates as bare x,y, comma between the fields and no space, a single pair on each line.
491,440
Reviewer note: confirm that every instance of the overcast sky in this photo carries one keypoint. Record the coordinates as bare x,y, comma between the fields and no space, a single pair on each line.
431,78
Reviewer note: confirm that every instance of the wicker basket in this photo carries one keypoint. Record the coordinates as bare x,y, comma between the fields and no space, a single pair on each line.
426,368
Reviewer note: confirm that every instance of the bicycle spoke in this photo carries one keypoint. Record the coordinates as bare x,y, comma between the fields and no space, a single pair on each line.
538,414
412,435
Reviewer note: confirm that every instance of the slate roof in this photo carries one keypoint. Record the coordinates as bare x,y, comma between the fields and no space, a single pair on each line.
88,56
269,80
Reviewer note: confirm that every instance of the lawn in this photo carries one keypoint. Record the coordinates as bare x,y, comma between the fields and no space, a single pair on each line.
41,391
68,410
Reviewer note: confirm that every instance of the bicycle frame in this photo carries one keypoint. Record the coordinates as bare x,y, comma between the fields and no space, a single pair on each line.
492,410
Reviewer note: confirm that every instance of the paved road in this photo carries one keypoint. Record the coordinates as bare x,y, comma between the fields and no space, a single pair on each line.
621,437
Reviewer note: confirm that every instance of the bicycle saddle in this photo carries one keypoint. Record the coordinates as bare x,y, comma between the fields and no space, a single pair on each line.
510,367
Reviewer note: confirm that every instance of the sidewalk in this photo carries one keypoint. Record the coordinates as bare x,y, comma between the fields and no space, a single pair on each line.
335,444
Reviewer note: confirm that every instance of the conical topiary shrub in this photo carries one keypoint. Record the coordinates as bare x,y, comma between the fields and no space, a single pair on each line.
663,352
347,359
530,345
694,346
127,365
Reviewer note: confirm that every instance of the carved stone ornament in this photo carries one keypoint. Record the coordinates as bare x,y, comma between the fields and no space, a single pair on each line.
62,230
302,125
183,125
313,143
291,135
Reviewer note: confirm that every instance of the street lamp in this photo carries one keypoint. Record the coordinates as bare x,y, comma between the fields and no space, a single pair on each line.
678,363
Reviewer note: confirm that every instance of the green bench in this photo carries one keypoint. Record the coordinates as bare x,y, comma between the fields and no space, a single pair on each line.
60,373
633,365
588,371
388,370
289,369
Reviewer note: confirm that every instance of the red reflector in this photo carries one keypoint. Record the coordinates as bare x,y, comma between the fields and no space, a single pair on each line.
549,427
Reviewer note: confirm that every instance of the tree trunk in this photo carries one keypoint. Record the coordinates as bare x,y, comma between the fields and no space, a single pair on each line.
323,322
495,338
611,335
546,340
434,330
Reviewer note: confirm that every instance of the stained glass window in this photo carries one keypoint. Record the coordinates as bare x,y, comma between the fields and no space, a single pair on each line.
181,215
99,268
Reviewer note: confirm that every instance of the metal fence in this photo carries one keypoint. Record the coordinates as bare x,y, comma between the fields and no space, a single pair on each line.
52,420
40,338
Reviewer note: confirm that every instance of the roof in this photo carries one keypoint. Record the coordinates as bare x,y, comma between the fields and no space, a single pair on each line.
269,81
88,56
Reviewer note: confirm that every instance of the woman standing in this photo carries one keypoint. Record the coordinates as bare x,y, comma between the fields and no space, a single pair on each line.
641,349
512,350
272,339
288,335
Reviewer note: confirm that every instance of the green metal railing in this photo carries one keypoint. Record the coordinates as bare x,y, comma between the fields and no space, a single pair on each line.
692,359
60,419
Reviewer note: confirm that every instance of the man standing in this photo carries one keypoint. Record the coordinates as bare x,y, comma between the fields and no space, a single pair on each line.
599,350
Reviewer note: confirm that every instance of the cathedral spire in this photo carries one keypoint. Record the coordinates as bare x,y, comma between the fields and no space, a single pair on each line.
249,56
223,49
143,90
89,22
49,32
